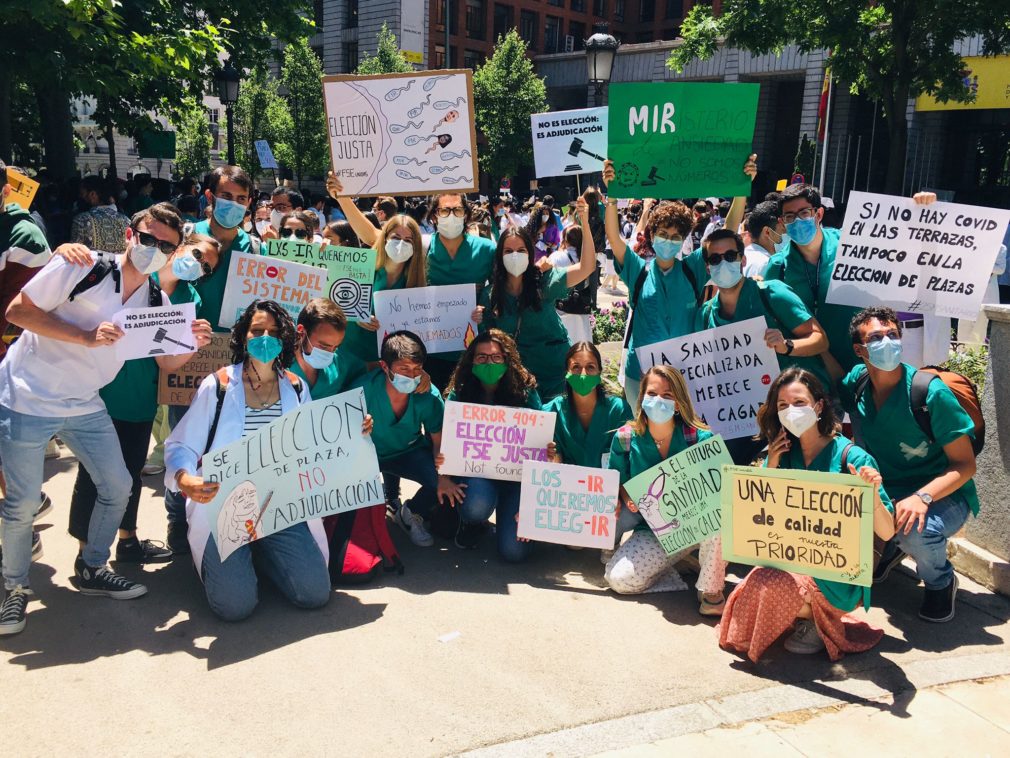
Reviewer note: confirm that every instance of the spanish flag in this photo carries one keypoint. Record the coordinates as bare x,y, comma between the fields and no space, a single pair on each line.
822,109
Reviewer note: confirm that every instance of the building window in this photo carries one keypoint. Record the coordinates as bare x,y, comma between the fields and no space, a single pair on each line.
618,10
647,10
556,3
600,8
475,19
502,20
350,56
440,61
472,59
352,15
440,17
577,29
674,9
552,34
672,33
528,28
643,37
578,5
214,115
317,13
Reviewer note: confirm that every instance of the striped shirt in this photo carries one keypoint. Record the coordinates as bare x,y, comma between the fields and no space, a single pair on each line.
257,418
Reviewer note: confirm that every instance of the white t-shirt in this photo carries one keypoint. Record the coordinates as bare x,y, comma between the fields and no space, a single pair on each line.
42,376
755,260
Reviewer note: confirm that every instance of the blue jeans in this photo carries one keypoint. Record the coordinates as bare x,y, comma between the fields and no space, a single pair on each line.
417,465
23,440
929,547
175,502
486,496
289,558
627,521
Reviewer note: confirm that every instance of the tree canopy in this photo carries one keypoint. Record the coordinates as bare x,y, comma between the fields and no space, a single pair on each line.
305,148
387,59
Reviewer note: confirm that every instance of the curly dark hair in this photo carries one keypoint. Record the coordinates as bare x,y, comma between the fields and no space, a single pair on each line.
674,214
288,335
530,296
514,388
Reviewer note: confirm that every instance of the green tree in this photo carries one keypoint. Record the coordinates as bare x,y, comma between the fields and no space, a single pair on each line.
506,92
260,113
387,59
305,149
193,140
888,50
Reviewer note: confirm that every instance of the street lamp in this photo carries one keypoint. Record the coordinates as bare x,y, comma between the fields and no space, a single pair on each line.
601,49
227,81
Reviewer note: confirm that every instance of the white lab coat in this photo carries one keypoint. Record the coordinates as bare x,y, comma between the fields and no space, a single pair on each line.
186,444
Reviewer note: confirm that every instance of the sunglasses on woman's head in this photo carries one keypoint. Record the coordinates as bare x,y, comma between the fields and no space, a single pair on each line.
299,233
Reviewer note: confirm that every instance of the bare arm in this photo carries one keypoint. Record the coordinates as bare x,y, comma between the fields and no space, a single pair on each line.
808,339
361,225
911,512
735,215
610,221
587,262
24,313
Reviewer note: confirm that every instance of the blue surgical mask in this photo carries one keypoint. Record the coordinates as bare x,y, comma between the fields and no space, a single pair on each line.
404,384
319,359
783,245
264,348
228,213
187,268
802,230
658,409
726,274
885,354
667,250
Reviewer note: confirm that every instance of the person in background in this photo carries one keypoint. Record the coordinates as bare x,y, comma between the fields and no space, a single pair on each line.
317,204
261,218
543,230
768,238
385,208
319,361
297,225
283,200
189,209
101,226
341,234
496,209
140,193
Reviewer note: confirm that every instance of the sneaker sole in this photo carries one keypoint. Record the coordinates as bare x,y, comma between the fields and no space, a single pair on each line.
45,509
13,628
142,561
124,595
887,572
410,533
953,608
803,651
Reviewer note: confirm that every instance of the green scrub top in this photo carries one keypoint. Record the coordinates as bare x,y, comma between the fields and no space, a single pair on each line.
810,283
211,288
787,313
361,342
392,436
908,460
541,337
587,447
667,305
472,265
336,377
631,454
845,597
533,401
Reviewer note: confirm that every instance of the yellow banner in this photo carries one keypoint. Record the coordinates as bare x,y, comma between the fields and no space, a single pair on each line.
988,78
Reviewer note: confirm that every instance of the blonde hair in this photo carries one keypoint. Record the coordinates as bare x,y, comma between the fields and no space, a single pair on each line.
416,270
681,395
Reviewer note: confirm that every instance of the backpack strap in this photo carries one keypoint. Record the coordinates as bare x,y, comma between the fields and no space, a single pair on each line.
102,268
845,458
693,281
917,401
221,380
639,284
690,434
861,384
154,298
296,382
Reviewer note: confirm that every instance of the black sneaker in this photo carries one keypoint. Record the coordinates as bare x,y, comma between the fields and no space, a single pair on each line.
45,507
468,534
133,550
887,565
938,605
101,581
36,547
12,611
178,538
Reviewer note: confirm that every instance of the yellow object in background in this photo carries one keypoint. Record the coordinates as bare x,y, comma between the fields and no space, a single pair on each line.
23,189
988,78
782,184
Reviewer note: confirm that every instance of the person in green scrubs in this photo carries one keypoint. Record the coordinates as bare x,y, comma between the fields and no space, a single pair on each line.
325,366
587,416
520,301
665,424
801,429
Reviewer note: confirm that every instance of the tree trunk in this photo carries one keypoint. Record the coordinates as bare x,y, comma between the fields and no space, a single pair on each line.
110,137
57,129
5,115
897,131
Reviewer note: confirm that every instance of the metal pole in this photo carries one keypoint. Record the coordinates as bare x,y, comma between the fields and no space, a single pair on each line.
231,135
827,132
578,185
873,138
834,170
859,149
845,171
448,13
929,165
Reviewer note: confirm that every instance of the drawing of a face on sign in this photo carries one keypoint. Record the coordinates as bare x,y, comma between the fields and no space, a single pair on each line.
236,521
359,136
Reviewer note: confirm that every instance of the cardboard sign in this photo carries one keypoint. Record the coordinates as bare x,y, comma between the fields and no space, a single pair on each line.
679,139
728,370
350,271
23,188
569,142
681,497
918,258
310,463
178,387
440,316
807,522
568,505
492,441
265,154
402,134
258,277
149,332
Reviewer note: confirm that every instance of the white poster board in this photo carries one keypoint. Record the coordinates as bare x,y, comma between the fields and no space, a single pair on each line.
265,154
412,30
568,505
150,332
728,370
440,316
402,134
569,142
933,259
257,277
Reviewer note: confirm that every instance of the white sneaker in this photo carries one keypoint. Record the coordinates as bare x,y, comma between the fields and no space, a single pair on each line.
413,525
805,640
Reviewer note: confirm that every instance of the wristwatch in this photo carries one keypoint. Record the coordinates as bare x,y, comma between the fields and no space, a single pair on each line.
925,497
789,347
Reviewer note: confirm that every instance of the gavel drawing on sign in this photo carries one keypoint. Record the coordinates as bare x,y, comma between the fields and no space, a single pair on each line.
576,148
162,336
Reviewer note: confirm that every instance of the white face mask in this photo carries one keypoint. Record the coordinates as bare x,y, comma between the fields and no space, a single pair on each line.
451,226
797,419
147,259
275,219
516,263
399,251
262,225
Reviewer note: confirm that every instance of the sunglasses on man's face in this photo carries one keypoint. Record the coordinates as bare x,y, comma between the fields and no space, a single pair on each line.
299,233
730,256
149,240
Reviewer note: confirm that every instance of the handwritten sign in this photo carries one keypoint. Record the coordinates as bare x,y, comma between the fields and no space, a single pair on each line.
806,522
402,134
920,258
440,316
569,142
681,497
148,332
258,277
265,154
310,463
728,370
350,271
681,139
492,441
23,188
568,505
178,387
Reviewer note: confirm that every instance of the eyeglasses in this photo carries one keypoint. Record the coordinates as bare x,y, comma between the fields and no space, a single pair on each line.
891,334
197,253
299,233
281,208
661,236
459,211
485,358
149,240
802,213
730,256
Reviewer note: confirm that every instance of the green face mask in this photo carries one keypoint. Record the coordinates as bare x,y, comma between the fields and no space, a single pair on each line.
490,373
583,384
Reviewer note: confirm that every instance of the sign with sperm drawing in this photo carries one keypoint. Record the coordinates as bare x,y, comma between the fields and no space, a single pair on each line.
402,134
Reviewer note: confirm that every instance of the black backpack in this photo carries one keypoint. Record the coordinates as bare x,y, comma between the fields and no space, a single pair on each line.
640,283
104,267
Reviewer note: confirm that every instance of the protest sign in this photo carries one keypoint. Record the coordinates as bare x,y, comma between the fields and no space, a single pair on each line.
310,463
681,497
258,277
23,189
568,505
440,316
350,271
402,134
933,259
165,330
680,139
569,142
178,387
492,441
728,370
265,154
807,522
